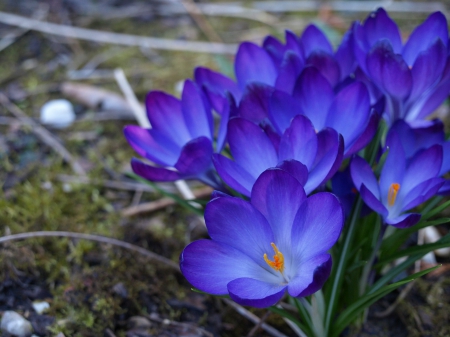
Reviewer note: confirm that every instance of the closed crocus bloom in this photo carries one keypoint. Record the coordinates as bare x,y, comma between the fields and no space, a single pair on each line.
404,182
415,77
309,156
261,249
180,140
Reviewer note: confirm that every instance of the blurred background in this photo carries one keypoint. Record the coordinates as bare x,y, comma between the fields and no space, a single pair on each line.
70,73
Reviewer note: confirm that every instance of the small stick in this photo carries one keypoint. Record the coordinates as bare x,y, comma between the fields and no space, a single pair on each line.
197,15
253,318
43,134
116,38
161,203
92,237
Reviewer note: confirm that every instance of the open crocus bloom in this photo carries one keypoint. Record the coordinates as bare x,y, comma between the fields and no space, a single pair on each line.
309,156
180,140
260,249
404,183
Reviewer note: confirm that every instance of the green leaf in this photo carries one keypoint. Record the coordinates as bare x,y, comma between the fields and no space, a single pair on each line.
436,210
291,317
352,312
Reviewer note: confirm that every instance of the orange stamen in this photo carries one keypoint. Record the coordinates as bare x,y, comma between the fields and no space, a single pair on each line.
392,193
278,259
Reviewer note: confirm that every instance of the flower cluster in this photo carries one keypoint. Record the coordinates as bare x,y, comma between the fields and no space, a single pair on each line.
300,120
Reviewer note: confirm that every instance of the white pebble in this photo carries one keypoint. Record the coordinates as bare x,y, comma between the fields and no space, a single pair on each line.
57,113
40,307
15,324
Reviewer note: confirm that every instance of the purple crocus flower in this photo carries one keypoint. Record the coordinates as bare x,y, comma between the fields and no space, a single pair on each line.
404,183
347,111
180,140
260,249
311,157
414,78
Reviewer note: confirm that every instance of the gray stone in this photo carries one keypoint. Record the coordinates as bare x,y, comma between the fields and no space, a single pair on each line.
15,324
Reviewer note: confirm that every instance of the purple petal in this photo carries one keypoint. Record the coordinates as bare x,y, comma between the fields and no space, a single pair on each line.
394,167
236,223
424,166
434,27
253,64
361,174
210,266
282,109
313,39
379,26
445,167
372,201
428,67
345,57
278,196
195,157
274,48
328,158
422,192
255,293
254,104
351,104
315,95
250,146
196,111
229,109
389,71
295,169
299,142
233,175
317,226
327,66
315,271
290,68
165,115
404,221
152,145
216,86
293,44
365,137
154,173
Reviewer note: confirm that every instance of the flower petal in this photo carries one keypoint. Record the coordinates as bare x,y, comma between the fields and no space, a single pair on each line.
278,196
254,104
373,202
282,109
154,173
311,276
233,175
255,293
434,27
250,146
361,174
236,223
394,168
165,115
315,95
195,157
210,266
313,39
379,26
389,70
404,220
196,111
327,66
253,64
317,226
366,136
152,145
290,68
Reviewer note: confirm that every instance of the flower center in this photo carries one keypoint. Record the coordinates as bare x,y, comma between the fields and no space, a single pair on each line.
392,193
278,259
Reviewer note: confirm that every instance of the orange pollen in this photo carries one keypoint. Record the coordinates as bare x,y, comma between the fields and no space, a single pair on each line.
392,193
278,259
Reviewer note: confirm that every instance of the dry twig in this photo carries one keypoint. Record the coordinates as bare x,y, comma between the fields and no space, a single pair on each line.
43,134
115,38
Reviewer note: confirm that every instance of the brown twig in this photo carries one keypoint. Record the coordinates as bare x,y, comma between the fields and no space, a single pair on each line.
197,15
115,38
257,326
253,318
43,134
120,185
92,237
161,203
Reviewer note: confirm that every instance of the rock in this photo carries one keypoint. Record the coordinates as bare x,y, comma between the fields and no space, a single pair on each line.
139,323
15,324
58,113
40,306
